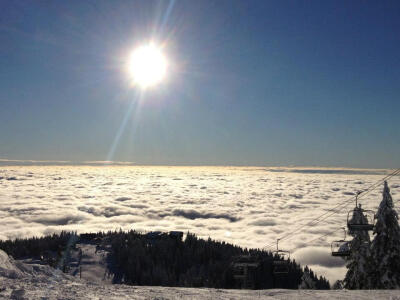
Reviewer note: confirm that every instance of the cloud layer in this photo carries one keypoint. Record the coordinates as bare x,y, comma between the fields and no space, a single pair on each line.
251,207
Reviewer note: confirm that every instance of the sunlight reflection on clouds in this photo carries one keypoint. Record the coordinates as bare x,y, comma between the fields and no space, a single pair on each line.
251,207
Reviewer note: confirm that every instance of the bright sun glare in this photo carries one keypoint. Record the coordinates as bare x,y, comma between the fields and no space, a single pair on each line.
147,65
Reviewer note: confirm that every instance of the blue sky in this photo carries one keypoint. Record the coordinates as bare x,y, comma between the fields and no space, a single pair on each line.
250,83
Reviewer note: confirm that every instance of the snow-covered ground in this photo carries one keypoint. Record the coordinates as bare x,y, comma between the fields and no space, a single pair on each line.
93,264
248,206
22,281
76,290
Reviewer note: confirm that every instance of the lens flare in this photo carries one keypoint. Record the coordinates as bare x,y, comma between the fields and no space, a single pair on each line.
147,66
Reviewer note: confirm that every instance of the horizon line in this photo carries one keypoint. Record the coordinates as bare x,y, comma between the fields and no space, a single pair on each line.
34,162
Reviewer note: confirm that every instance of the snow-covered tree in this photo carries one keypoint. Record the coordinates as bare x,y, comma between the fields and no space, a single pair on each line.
359,262
338,285
307,283
386,245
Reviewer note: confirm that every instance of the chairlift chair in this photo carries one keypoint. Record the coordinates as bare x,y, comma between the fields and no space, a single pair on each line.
360,219
342,247
241,265
281,260
245,261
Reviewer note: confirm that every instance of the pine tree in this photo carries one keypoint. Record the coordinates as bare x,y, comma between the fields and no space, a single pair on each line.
307,283
359,262
338,285
386,245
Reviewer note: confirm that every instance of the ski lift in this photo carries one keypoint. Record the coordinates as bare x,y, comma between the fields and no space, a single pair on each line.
242,264
281,260
341,247
360,219
245,261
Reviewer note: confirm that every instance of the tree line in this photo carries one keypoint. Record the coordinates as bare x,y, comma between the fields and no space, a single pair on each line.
163,259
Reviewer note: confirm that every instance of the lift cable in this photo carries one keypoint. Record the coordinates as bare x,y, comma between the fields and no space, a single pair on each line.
337,208
320,237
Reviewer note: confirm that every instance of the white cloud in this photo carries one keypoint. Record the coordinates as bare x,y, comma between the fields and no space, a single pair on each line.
318,256
254,205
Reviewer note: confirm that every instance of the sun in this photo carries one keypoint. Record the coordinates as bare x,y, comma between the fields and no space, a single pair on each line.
147,65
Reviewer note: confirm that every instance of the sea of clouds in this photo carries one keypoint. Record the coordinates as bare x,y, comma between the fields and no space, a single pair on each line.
248,206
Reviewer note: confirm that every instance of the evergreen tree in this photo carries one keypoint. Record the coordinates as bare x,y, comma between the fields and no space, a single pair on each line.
338,285
386,245
163,259
307,283
359,262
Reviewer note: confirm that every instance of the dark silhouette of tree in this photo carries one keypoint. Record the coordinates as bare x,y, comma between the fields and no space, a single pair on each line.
164,259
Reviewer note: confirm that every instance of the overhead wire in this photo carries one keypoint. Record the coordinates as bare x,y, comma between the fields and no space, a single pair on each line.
336,209
320,237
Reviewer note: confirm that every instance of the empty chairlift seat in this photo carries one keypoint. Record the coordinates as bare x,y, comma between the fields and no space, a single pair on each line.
341,247
243,266
281,261
360,219
245,261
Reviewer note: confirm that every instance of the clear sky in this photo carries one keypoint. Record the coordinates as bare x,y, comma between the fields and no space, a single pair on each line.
249,82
